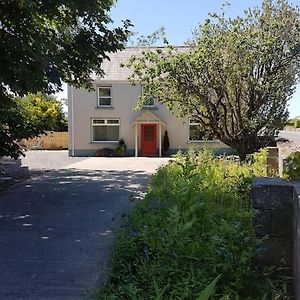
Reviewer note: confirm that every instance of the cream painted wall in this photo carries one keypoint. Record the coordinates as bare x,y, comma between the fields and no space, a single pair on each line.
124,97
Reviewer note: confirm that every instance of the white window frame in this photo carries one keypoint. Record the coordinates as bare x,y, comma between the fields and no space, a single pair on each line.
106,123
193,124
105,97
151,105
198,141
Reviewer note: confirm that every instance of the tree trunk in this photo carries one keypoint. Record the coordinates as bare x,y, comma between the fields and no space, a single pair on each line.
248,145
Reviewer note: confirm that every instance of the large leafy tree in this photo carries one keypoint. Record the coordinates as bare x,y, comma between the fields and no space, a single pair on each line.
235,77
43,43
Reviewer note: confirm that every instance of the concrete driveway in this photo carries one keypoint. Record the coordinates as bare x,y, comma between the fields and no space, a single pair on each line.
57,160
57,229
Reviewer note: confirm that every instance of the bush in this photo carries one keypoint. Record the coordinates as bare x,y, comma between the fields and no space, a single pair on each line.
166,143
122,148
193,229
297,123
291,168
105,152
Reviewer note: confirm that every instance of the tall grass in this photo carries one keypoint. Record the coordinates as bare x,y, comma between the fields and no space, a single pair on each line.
194,225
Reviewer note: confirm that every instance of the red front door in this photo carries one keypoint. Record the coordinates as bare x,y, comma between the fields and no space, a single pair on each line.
148,140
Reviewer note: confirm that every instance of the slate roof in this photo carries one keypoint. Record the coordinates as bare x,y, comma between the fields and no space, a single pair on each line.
112,69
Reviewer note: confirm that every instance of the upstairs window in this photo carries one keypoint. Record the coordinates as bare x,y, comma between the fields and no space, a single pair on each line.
105,130
150,101
104,96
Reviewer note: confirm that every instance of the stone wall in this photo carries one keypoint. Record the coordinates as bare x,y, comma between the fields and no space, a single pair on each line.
297,240
277,212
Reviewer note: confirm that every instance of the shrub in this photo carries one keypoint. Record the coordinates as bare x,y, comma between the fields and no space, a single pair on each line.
291,123
122,148
297,123
105,152
192,231
166,143
292,166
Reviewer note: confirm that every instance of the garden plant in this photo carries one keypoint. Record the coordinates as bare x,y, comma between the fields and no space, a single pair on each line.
192,237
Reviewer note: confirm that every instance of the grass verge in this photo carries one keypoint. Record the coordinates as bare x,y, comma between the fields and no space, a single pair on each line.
192,236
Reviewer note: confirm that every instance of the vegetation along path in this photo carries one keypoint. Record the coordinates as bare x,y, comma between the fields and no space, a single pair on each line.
57,229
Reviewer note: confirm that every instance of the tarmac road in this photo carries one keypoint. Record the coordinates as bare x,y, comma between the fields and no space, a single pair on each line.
57,230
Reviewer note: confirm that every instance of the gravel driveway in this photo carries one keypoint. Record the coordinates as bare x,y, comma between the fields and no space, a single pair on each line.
57,229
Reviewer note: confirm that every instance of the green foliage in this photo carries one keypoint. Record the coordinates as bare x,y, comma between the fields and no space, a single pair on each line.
27,117
291,122
292,166
234,78
149,40
122,148
44,111
54,41
194,224
43,43
15,125
297,123
209,290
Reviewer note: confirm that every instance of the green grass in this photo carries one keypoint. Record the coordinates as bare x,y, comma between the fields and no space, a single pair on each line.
192,235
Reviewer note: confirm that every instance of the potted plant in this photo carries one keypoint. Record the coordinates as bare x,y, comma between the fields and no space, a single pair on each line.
121,149
166,143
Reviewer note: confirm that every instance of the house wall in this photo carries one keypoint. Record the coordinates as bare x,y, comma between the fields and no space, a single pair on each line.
83,107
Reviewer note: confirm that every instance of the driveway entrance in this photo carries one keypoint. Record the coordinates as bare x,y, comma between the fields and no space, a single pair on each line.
57,229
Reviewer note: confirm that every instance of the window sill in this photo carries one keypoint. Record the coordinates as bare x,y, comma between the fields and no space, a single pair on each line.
104,142
104,107
152,107
203,141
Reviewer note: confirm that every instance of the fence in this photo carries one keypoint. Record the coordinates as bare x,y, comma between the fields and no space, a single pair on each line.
49,141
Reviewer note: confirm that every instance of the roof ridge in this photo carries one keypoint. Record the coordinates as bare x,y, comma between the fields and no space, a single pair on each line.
155,47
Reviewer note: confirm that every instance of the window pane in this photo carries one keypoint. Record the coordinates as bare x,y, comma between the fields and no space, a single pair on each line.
105,133
104,92
104,101
112,121
195,133
113,133
150,101
98,121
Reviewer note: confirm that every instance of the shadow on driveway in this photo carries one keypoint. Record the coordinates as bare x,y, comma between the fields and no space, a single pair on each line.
57,231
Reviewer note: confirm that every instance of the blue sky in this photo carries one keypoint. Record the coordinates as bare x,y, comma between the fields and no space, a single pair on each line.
179,19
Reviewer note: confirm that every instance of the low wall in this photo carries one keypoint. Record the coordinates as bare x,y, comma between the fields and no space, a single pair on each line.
50,141
277,211
297,240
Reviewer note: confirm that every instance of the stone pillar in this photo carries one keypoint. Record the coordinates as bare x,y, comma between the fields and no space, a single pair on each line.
297,240
272,200
272,161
